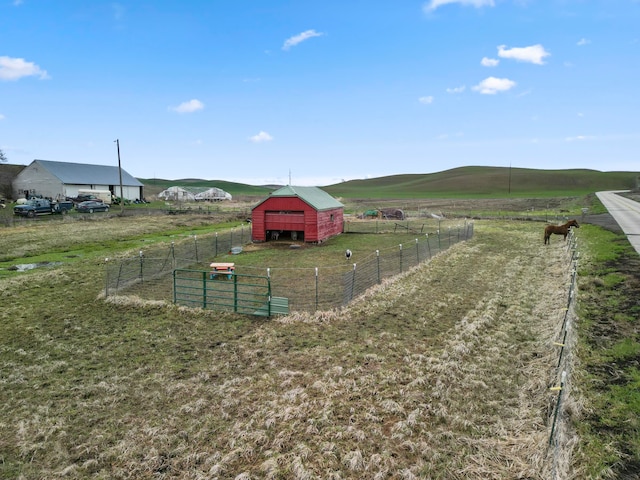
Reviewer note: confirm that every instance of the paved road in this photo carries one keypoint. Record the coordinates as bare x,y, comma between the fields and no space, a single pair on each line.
626,212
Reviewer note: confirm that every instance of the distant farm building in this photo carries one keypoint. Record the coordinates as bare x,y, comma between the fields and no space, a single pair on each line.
193,194
384,213
213,194
177,194
297,213
63,179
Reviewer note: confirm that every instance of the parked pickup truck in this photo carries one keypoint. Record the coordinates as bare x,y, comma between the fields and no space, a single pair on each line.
41,206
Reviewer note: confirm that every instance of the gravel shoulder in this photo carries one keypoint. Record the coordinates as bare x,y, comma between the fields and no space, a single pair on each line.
604,220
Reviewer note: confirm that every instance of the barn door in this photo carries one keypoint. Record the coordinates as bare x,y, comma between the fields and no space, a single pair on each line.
284,225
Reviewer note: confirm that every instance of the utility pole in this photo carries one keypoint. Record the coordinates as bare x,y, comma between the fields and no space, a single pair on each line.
509,178
120,173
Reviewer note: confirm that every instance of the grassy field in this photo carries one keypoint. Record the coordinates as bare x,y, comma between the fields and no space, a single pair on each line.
464,182
608,379
442,373
397,385
487,182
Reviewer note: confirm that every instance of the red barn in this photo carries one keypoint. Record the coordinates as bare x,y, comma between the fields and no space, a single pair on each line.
297,213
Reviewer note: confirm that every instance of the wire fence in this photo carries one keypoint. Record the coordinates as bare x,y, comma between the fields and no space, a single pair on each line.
565,341
149,276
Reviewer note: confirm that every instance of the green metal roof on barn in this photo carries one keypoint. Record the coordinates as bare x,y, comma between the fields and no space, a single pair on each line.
315,197
84,174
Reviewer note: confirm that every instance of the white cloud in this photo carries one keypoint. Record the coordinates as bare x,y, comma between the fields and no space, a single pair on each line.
446,136
583,41
261,137
426,100
118,11
493,85
489,62
459,89
16,68
301,37
188,107
579,138
432,5
533,54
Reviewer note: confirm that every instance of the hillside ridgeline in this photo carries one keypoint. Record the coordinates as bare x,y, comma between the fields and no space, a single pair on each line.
488,182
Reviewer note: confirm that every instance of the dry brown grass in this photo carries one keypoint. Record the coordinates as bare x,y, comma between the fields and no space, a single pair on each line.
441,373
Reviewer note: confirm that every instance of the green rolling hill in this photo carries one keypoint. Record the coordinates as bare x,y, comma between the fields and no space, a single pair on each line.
463,182
474,182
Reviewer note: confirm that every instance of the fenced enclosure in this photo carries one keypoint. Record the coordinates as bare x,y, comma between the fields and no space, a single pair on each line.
150,275
247,294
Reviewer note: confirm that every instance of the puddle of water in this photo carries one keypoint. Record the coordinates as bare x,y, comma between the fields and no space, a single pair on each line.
23,267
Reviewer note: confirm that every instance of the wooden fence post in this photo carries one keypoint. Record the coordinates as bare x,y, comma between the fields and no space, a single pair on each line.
141,267
316,288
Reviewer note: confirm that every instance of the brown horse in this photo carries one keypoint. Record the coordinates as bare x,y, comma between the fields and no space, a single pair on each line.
559,230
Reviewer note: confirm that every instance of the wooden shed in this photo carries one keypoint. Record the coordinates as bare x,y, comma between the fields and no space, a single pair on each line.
297,213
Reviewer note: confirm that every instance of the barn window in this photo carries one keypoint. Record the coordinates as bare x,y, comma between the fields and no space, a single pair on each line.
331,217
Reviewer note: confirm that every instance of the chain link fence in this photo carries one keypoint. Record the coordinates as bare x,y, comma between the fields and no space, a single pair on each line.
149,276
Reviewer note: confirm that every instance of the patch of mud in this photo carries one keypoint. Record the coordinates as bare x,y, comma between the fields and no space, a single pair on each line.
276,245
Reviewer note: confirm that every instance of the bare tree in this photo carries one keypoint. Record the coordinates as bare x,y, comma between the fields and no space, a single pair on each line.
3,157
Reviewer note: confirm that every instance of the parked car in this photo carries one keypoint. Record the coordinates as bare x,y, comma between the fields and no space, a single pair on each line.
40,206
83,197
92,206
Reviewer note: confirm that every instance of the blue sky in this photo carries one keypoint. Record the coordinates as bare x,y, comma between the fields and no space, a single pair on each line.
321,91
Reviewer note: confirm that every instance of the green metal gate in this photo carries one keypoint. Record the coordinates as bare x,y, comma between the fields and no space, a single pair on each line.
246,294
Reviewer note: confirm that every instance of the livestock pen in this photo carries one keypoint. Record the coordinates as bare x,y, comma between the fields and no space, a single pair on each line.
311,277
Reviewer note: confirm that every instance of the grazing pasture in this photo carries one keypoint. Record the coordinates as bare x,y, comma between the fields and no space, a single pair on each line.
312,277
441,372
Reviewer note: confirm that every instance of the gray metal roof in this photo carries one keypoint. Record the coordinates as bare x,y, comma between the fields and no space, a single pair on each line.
318,199
85,174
